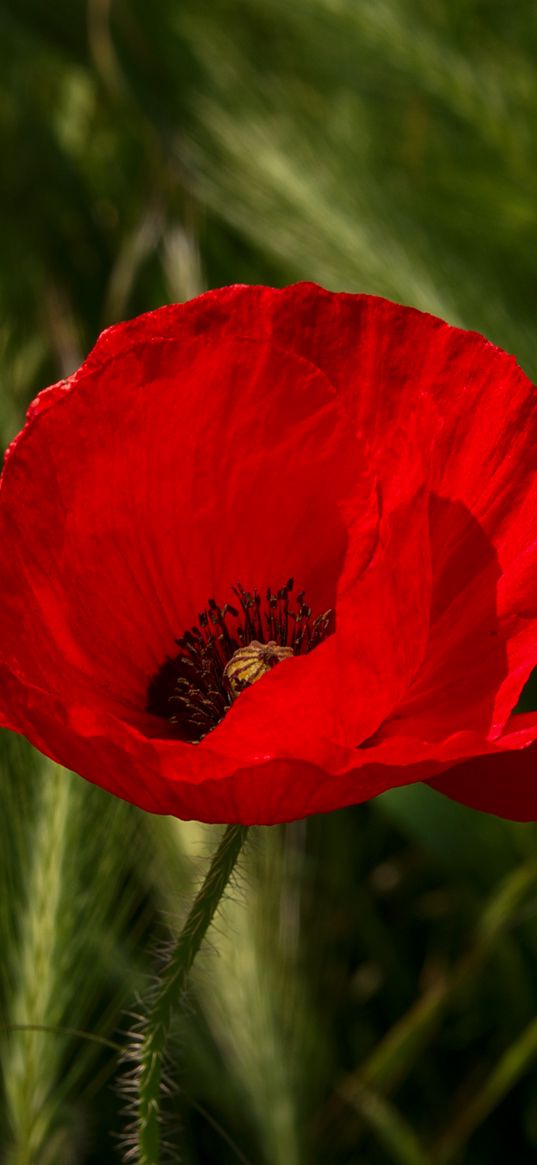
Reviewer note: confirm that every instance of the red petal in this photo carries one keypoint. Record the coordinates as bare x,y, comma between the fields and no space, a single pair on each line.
504,783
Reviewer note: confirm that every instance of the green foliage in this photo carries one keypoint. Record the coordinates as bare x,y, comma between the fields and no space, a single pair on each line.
370,991
69,930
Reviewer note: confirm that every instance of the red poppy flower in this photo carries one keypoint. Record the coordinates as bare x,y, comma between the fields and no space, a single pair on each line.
159,503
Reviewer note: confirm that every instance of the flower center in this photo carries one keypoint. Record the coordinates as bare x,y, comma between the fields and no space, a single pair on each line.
231,648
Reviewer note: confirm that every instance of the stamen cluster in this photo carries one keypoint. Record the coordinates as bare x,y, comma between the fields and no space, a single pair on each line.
194,691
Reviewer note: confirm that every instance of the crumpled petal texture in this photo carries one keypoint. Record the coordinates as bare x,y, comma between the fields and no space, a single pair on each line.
384,459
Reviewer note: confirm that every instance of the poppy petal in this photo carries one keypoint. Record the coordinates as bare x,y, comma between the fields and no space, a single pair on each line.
504,783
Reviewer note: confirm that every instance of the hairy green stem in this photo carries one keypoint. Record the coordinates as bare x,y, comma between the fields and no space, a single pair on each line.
170,989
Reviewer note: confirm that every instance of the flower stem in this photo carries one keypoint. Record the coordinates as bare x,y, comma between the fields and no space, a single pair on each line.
170,989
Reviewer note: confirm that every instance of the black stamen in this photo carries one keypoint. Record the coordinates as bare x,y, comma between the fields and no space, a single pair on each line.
190,690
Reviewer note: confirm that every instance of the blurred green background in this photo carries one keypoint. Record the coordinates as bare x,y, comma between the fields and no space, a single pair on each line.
370,993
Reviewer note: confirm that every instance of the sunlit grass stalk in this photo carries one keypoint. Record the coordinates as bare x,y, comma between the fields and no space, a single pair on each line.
28,1070
259,1048
255,1001
169,991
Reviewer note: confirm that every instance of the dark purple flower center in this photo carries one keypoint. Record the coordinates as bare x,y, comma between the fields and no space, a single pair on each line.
230,648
